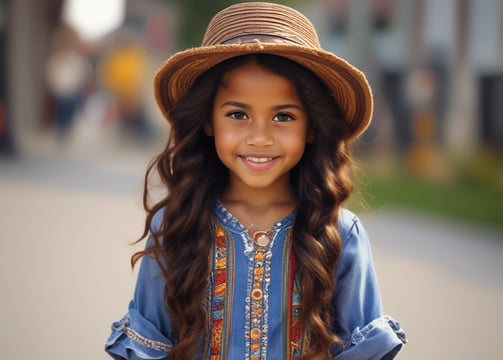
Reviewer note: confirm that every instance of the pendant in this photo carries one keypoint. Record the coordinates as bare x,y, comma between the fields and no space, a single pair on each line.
261,238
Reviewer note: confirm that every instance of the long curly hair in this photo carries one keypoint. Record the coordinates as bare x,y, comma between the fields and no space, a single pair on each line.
194,178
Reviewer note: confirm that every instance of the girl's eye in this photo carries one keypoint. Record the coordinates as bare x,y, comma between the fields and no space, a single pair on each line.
237,115
282,117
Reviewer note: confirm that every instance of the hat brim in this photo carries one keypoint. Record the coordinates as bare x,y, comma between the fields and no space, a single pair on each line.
348,85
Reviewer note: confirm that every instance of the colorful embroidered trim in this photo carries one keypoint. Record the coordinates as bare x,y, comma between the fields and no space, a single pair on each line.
256,308
218,325
294,333
256,336
135,336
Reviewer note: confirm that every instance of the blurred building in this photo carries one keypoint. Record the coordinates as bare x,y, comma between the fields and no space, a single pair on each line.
457,44
26,31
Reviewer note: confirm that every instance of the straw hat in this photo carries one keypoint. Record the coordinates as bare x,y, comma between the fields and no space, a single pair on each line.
259,27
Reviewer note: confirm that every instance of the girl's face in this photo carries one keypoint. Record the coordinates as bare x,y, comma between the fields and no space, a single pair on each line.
260,127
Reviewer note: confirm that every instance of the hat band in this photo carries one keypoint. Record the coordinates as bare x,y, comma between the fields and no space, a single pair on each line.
250,38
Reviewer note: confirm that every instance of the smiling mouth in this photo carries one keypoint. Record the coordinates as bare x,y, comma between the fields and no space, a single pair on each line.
258,160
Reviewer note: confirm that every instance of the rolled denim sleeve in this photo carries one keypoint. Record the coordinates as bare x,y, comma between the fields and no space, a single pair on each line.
365,332
380,339
135,338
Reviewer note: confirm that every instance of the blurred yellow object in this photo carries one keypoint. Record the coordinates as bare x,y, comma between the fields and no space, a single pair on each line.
122,72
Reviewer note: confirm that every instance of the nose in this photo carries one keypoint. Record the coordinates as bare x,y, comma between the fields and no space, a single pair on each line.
259,134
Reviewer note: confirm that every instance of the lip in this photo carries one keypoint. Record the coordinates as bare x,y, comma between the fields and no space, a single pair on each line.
259,162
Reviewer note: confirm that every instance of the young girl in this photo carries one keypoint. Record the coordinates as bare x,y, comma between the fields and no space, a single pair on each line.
251,255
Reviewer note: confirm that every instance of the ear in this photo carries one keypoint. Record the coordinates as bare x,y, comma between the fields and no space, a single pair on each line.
208,127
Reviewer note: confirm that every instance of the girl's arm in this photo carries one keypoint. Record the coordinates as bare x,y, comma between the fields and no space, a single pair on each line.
144,332
366,333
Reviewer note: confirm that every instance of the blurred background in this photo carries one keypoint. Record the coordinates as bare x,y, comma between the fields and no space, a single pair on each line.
78,126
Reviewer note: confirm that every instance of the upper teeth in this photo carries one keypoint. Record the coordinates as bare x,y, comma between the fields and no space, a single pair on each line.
258,159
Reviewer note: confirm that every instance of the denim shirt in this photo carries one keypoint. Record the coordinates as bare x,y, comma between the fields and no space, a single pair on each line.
145,331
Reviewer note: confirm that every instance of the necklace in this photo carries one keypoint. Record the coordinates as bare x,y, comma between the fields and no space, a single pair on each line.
260,238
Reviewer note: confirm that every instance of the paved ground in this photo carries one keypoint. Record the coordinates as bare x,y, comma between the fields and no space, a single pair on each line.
65,225
443,281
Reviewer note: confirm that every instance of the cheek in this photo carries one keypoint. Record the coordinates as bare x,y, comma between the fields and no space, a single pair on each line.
296,140
293,147
225,138
225,141
299,151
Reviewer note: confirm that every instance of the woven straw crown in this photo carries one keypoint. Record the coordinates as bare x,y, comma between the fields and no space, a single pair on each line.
259,27
259,19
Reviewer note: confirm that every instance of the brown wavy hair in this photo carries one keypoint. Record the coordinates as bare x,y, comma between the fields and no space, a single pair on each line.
194,178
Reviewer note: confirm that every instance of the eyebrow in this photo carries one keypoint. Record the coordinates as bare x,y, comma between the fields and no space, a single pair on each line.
275,108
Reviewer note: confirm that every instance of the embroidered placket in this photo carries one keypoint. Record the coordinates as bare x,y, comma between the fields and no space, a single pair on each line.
256,307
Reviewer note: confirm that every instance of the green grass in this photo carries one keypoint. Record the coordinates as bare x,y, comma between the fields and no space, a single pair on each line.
470,201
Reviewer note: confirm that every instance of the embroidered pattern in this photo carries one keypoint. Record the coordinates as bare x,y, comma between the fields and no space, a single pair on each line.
257,299
256,336
219,292
292,302
133,335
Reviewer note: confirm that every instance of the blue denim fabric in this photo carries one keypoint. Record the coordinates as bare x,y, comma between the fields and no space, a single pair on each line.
384,331
138,338
366,334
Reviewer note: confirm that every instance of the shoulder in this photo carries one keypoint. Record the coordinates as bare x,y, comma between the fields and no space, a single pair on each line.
356,249
155,225
157,220
350,226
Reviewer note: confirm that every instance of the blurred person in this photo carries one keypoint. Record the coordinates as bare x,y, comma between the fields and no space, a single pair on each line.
251,253
122,71
423,153
6,143
68,75
3,120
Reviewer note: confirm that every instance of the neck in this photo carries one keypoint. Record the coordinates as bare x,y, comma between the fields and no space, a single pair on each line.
260,208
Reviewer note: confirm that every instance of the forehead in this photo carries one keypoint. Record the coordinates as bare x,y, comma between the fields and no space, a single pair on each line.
254,79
